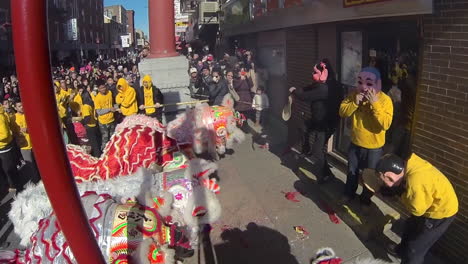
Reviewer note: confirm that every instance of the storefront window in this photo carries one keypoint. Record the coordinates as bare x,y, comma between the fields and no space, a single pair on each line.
351,64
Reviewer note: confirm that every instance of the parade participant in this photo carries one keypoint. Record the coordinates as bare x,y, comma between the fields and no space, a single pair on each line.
126,98
20,130
427,194
104,105
316,95
150,99
90,123
8,156
371,113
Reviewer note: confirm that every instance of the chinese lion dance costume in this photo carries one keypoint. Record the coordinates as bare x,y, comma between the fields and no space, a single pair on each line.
148,193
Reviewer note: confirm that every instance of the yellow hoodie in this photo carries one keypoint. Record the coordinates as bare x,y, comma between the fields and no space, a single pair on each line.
77,103
62,100
369,121
429,193
126,98
148,95
22,138
5,131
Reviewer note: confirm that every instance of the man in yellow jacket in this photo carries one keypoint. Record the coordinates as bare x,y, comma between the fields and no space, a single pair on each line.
104,106
8,155
126,98
427,194
21,132
150,99
371,113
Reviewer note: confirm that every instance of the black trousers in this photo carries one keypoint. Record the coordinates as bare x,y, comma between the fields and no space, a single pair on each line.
419,236
94,136
9,160
318,149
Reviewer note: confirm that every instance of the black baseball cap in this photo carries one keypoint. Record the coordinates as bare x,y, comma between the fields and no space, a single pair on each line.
387,163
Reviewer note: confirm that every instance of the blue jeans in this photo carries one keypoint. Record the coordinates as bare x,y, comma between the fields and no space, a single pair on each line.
360,158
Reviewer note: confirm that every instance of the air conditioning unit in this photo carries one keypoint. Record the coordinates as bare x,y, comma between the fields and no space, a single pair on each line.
208,13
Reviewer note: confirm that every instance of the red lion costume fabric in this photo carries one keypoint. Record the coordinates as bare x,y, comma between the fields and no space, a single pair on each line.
136,143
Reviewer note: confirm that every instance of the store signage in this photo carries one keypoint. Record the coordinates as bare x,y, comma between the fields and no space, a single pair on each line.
125,41
72,29
350,3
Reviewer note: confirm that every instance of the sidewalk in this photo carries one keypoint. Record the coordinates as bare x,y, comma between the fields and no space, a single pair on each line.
266,174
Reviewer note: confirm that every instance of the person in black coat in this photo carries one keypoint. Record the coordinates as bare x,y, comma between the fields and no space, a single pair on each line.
318,125
150,99
217,89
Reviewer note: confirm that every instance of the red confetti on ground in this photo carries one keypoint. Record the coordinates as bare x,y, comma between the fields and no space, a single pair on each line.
291,196
265,146
330,212
301,230
332,261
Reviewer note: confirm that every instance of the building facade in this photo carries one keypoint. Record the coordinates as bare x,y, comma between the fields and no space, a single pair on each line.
131,27
76,30
290,36
7,60
113,31
140,38
117,12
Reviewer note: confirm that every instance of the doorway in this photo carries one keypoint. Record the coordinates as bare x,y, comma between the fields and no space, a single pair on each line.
393,48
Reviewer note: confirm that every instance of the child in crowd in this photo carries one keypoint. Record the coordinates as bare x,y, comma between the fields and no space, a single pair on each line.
260,103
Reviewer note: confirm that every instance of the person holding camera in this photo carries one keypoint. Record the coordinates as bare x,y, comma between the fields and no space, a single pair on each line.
242,85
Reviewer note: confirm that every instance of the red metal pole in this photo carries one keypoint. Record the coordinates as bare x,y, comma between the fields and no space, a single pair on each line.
162,28
33,67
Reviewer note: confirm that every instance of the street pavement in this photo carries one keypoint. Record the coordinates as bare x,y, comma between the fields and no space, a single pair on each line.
257,223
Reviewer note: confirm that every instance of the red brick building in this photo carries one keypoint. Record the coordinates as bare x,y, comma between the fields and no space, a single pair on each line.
291,36
6,43
131,27
76,29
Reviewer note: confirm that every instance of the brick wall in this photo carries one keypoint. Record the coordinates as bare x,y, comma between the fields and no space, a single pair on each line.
441,127
301,56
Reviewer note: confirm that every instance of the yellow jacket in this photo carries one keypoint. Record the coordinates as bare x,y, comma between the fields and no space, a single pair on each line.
5,131
126,98
369,121
77,103
102,102
62,102
429,193
22,138
148,95
87,110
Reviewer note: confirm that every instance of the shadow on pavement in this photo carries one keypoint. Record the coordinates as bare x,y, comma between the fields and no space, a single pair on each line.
367,223
256,244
